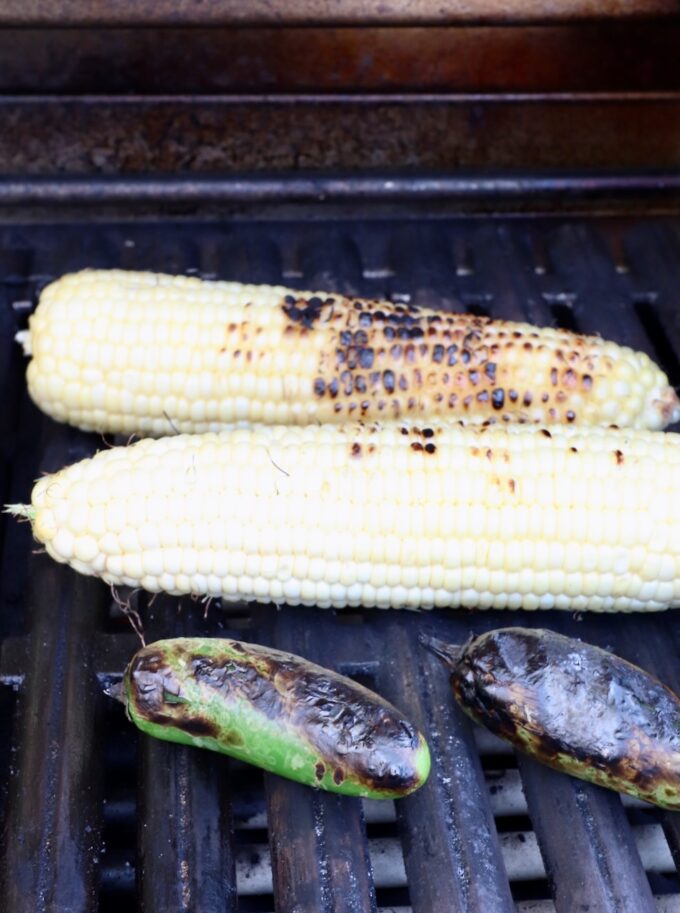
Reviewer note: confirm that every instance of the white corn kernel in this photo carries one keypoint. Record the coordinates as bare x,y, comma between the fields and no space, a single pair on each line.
201,515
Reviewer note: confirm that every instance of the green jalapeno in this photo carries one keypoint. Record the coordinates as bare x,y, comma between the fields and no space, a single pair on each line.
572,706
277,711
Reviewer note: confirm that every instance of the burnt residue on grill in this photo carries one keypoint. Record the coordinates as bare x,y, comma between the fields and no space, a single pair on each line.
358,734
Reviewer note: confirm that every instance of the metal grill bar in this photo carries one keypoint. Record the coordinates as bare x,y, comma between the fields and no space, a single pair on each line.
185,836
198,189
593,862
54,803
473,878
320,857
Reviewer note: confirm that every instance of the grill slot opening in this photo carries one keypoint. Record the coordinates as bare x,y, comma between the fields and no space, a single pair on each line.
657,331
563,316
116,853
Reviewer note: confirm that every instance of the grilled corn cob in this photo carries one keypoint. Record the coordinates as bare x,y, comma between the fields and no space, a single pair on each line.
153,354
400,516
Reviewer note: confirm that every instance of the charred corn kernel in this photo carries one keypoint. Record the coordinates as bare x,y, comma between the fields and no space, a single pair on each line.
154,354
400,515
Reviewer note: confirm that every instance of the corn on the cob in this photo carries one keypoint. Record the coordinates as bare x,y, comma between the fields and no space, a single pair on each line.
394,516
153,354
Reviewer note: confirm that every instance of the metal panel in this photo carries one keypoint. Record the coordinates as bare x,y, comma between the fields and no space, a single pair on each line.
612,57
85,136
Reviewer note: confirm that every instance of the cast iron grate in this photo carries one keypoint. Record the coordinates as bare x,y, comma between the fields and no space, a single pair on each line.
95,818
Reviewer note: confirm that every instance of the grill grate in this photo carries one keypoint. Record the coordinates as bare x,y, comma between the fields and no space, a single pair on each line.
96,818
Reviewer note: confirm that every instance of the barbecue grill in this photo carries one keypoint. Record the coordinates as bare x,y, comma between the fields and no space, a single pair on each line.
399,150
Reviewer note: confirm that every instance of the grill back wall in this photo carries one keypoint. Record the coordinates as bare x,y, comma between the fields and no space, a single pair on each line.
322,150
126,88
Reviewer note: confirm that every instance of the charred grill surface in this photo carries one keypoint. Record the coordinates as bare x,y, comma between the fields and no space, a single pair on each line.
96,818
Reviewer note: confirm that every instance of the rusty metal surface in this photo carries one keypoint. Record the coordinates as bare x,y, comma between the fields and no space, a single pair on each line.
362,12
133,136
612,56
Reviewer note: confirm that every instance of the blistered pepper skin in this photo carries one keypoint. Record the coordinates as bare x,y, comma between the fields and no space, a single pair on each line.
572,706
276,711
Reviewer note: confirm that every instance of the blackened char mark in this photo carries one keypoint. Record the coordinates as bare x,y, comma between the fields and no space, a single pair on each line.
157,695
305,312
148,661
382,350
352,730
151,678
240,679
197,726
357,733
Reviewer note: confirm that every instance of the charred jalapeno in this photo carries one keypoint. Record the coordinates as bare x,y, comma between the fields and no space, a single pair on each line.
277,711
573,706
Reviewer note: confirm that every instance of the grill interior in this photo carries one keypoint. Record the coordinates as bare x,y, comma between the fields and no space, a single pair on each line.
95,818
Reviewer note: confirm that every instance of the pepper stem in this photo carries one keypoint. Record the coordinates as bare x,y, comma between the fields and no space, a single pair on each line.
115,691
449,654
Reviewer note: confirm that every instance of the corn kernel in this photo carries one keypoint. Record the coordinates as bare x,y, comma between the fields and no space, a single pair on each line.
199,514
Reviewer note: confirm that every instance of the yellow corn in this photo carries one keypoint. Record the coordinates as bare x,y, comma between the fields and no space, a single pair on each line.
153,354
395,516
